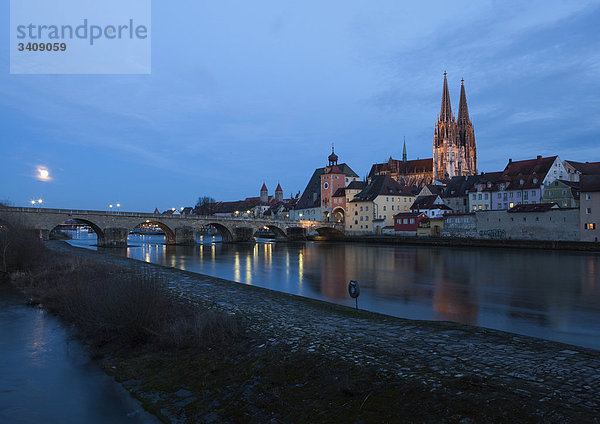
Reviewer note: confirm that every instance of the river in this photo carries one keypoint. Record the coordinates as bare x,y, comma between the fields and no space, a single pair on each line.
46,376
553,295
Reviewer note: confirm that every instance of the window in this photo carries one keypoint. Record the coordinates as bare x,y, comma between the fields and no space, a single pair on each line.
510,194
511,205
480,207
564,192
355,222
518,194
367,208
486,196
361,208
588,211
367,218
479,196
590,226
537,218
387,199
525,195
355,212
412,220
499,195
505,196
588,196
392,207
361,218
326,185
474,207
532,193
384,208
405,221
474,196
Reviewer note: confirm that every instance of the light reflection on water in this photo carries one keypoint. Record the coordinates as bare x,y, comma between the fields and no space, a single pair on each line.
553,295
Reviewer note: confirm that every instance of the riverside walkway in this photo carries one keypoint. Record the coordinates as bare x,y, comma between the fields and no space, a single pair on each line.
430,352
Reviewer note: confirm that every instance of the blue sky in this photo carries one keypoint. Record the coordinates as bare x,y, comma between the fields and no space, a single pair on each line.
246,92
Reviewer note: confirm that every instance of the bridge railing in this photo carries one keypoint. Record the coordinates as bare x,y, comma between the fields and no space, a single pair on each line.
142,215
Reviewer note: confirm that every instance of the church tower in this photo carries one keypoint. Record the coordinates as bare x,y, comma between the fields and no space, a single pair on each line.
466,134
454,150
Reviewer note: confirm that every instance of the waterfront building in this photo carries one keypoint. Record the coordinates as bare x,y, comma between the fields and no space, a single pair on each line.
480,196
380,200
576,169
406,223
589,210
431,227
454,149
433,206
522,182
456,193
332,179
309,206
562,192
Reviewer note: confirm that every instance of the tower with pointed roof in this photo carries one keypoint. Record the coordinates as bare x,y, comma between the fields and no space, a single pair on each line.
404,151
264,194
278,193
454,151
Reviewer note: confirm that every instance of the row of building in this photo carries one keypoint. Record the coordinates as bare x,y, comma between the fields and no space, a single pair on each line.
540,198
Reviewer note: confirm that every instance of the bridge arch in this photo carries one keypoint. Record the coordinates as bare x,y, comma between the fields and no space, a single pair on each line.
224,232
99,232
279,233
169,233
328,232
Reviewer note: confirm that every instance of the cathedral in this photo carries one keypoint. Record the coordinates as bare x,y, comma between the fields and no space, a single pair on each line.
454,151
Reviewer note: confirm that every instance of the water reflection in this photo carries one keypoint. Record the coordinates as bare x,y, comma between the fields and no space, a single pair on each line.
554,295
47,378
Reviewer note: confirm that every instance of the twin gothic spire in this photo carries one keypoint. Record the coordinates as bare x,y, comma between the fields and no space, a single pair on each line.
446,109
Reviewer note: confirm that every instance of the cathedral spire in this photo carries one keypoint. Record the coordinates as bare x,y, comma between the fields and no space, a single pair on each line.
463,110
446,109
404,151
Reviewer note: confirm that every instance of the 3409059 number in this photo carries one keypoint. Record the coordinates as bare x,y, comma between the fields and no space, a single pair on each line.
43,47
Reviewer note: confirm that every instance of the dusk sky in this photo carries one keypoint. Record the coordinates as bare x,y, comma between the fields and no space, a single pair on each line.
243,93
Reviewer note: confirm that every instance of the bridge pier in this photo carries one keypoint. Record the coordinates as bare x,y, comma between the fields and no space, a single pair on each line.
113,237
296,233
44,235
242,234
185,236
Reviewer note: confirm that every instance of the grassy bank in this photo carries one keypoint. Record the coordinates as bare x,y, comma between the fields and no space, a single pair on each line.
188,363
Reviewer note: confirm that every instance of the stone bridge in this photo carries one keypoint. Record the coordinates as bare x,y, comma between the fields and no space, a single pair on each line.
113,227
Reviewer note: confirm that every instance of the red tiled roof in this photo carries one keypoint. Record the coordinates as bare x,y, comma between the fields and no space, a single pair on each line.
590,183
264,187
278,188
587,168
540,166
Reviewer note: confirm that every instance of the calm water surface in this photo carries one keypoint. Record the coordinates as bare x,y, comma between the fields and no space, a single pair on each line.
552,295
46,377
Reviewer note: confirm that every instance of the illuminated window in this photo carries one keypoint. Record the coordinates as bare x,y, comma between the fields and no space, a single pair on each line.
480,207
511,205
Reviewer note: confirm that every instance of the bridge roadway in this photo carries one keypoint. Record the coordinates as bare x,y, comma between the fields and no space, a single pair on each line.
113,227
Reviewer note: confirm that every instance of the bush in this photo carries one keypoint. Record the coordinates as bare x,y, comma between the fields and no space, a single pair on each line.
20,247
114,305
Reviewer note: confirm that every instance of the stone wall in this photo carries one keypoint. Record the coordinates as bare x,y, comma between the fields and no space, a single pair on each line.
555,224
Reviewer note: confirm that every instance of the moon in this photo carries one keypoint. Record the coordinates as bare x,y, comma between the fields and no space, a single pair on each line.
43,174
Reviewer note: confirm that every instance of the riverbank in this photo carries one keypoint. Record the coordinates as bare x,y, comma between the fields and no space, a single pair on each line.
304,360
474,242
